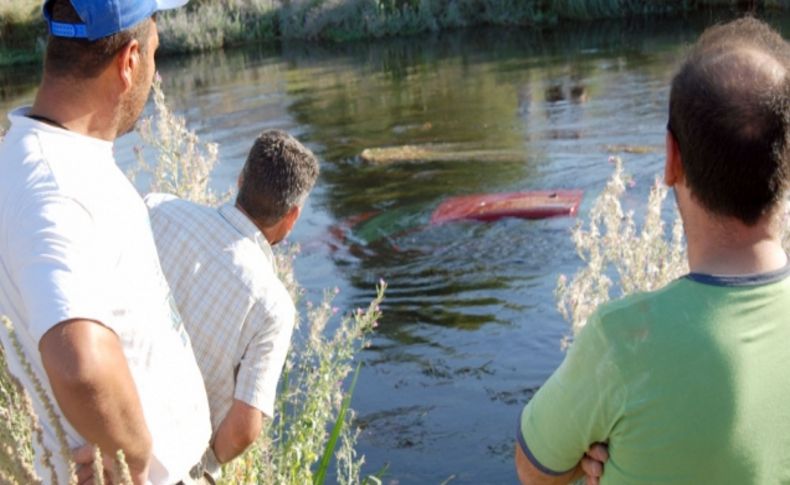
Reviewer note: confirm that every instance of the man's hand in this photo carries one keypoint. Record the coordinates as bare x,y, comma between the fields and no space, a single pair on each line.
93,387
593,461
590,467
84,458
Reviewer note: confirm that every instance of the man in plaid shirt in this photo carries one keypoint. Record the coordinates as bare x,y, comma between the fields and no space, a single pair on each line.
221,269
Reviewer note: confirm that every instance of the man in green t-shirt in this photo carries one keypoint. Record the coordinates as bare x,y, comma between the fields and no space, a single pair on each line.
690,384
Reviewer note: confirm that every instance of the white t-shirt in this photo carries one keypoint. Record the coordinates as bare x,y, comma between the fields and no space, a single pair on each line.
75,242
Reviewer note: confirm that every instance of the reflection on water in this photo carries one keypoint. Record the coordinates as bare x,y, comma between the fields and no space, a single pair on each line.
470,330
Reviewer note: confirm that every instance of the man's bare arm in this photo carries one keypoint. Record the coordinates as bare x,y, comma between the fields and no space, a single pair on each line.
238,430
590,467
529,474
94,388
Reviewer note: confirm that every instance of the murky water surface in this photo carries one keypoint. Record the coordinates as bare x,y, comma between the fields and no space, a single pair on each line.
470,330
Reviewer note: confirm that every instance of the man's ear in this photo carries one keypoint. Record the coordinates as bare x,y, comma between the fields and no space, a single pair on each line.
128,62
673,168
292,216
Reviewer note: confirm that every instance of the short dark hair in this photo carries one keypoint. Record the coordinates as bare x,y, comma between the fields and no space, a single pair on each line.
729,110
278,175
81,58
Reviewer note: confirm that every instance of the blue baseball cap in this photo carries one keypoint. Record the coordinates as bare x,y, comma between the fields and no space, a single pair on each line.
102,18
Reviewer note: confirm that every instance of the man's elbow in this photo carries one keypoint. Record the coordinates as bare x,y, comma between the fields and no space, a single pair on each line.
247,435
234,440
240,428
521,467
529,474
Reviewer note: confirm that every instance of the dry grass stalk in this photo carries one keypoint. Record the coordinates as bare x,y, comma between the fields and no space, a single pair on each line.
98,466
18,424
122,469
51,414
613,245
183,163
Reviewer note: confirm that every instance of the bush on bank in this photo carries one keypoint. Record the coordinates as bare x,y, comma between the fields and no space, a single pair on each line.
212,24
228,22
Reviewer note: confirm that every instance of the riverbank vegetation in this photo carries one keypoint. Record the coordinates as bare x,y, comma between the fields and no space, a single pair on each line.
212,24
21,29
314,425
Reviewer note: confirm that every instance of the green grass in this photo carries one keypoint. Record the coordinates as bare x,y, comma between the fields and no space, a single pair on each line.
337,429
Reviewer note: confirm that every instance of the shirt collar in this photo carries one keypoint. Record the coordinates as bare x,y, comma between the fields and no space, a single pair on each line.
756,279
18,118
246,228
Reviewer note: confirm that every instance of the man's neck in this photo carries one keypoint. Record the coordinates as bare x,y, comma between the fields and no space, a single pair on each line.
69,109
270,233
729,247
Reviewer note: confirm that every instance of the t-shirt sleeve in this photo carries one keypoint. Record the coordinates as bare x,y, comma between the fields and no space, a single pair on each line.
57,262
155,199
263,359
577,406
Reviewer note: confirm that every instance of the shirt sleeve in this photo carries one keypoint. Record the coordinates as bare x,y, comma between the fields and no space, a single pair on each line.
576,407
155,199
264,357
57,263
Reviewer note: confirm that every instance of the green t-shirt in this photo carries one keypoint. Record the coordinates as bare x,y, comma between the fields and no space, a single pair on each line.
688,384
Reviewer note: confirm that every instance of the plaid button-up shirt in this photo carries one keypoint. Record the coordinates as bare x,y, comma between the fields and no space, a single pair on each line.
238,314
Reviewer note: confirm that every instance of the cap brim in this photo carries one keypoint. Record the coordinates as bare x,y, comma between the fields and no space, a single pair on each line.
170,4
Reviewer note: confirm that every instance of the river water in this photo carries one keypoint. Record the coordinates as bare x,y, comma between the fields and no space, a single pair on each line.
470,329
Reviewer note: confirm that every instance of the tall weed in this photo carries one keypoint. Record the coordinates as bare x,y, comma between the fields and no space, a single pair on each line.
182,163
622,257
613,245
22,447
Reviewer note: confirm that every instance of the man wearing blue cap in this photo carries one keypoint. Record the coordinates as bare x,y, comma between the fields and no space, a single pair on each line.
79,273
